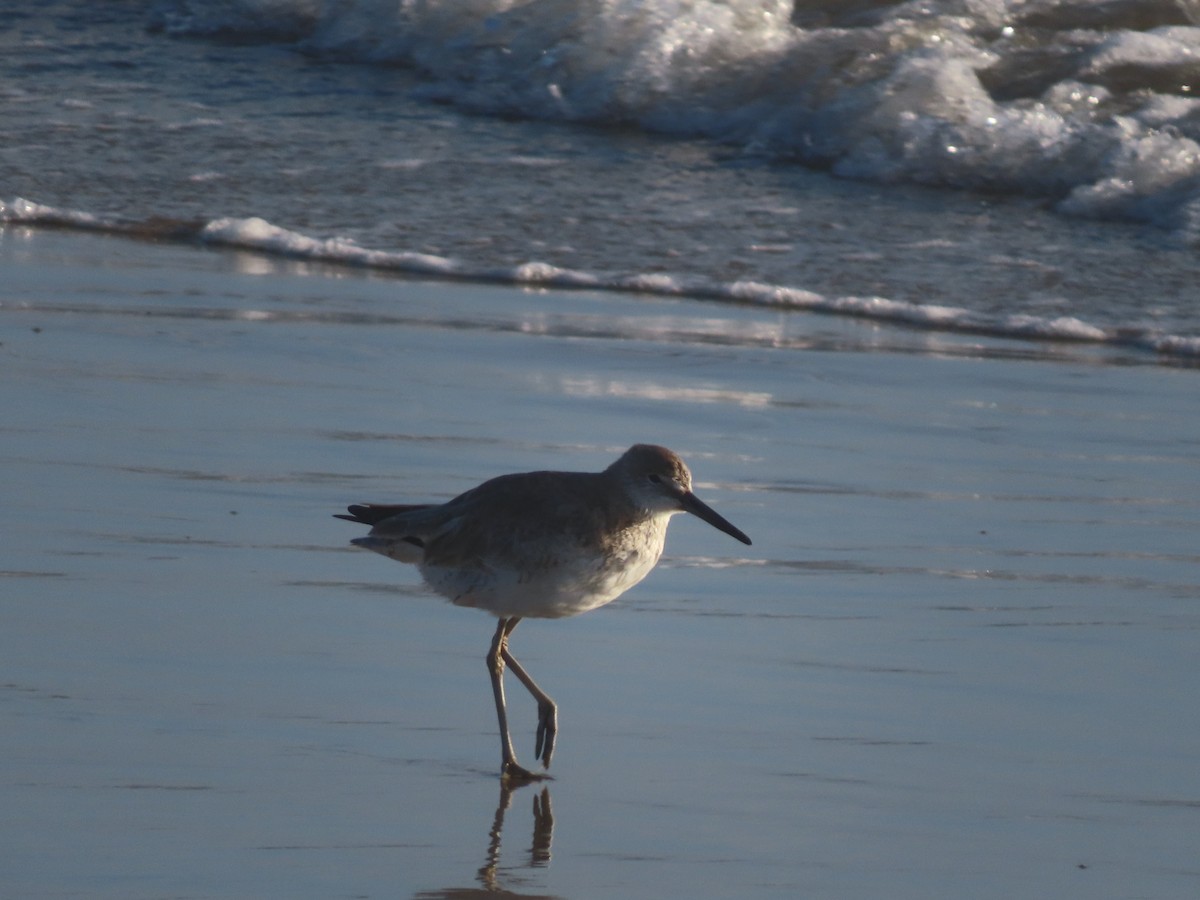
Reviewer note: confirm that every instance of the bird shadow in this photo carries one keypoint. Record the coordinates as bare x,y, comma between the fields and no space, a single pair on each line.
496,880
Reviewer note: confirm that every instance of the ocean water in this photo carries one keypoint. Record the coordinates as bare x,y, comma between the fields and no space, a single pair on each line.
1021,169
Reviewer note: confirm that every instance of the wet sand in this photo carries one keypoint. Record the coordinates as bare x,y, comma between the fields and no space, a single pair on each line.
959,660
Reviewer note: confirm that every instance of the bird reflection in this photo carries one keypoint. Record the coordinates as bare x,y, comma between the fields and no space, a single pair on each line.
491,873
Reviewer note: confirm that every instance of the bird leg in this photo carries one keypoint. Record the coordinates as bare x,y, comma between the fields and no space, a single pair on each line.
547,709
497,655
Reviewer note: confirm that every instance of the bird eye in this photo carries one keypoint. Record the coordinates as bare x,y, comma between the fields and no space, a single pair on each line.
655,479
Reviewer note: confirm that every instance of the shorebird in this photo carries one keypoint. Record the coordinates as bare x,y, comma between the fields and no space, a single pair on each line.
540,545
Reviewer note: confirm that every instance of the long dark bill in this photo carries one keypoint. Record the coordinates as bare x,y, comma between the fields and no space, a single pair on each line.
697,507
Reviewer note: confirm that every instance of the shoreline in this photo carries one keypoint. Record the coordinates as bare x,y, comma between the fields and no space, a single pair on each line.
1056,335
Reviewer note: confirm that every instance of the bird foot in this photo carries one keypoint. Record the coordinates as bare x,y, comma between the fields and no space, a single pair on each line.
515,775
547,729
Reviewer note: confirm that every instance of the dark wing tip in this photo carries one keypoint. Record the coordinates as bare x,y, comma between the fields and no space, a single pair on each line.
374,513
362,513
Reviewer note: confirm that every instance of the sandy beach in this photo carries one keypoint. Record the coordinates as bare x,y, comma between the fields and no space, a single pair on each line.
959,660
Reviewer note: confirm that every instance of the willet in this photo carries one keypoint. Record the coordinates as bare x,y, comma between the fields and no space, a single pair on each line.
540,545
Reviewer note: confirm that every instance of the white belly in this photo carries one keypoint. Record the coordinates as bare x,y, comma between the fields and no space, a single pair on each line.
563,587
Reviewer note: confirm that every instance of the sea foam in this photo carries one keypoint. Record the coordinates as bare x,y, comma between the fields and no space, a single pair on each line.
1089,105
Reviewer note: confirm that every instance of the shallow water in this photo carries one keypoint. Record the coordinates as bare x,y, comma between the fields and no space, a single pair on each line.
958,660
